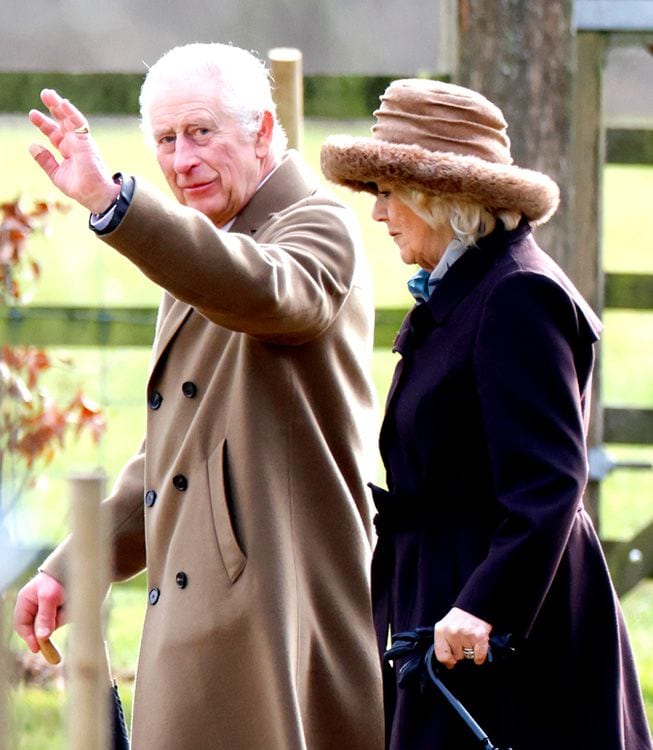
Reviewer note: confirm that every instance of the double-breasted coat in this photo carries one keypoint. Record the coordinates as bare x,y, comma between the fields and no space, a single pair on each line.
484,446
247,501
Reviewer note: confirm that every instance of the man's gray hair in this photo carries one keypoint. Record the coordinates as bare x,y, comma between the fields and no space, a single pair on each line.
240,77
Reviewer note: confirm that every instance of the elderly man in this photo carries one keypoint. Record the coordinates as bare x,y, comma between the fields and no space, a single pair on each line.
246,502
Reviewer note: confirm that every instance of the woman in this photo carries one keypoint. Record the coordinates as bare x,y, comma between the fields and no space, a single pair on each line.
482,529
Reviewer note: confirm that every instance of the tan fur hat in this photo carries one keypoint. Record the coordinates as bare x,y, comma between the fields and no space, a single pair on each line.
441,139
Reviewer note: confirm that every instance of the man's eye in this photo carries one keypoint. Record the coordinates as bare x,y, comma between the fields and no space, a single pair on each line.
166,140
200,134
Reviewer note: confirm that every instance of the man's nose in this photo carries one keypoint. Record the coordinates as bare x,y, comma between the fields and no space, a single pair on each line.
185,157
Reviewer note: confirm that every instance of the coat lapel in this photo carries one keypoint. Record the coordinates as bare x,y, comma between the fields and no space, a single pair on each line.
289,183
459,281
172,316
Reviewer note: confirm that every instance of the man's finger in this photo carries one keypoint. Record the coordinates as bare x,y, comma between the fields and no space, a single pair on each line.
24,625
44,159
62,110
46,125
27,634
45,623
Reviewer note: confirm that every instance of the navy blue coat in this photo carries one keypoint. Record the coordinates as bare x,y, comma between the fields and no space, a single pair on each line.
484,444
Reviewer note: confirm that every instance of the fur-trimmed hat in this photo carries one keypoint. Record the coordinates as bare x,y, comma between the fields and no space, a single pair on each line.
441,139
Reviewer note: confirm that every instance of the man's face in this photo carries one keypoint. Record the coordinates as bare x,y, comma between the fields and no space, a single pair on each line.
208,162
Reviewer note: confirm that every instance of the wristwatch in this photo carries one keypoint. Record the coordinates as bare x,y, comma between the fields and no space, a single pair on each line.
108,220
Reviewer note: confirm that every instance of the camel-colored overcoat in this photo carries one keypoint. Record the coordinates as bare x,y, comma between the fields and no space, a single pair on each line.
247,502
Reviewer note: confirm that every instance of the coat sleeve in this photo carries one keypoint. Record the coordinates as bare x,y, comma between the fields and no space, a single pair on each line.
288,284
124,528
530,340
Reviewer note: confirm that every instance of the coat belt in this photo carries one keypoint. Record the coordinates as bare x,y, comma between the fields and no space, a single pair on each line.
397,513
400,512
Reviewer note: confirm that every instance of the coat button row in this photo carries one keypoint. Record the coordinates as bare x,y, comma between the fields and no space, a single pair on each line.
155,400
189,389
180,482
181,579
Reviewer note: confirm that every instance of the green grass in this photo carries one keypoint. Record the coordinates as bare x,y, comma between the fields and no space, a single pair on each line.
77,269
39,716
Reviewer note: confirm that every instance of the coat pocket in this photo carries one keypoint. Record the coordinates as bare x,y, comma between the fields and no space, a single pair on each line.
233,558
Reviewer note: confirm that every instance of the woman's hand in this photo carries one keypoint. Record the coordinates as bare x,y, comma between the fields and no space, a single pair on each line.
458,632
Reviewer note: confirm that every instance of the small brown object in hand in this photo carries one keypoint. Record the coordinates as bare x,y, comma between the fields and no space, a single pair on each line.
49,651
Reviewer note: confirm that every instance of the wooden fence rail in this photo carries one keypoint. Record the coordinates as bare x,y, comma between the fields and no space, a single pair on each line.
630,560
134,326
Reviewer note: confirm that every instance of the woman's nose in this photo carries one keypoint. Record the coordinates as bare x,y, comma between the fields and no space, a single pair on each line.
378,209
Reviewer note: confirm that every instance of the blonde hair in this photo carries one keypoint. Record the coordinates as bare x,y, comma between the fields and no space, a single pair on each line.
468,220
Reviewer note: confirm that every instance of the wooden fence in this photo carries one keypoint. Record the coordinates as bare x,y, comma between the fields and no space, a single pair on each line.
630,560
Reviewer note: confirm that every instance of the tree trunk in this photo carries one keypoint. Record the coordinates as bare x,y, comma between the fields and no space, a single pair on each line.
525,57
521,56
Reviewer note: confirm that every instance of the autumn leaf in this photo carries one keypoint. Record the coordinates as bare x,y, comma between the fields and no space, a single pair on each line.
33,426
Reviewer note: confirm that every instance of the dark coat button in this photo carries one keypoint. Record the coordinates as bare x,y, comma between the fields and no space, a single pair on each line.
150,498
181,579
154,595
155,400
180,482
189,389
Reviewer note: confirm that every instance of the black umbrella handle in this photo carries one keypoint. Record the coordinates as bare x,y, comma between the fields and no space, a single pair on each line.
460,709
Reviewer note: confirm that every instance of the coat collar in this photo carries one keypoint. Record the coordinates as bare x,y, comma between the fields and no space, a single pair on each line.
290,182
459,281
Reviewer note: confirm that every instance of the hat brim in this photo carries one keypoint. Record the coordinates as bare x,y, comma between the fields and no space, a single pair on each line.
360,163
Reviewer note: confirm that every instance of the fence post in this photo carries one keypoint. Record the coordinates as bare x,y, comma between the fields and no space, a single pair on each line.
88,718
288,92
4,675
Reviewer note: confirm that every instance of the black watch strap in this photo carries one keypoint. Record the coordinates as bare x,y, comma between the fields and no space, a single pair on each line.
119,207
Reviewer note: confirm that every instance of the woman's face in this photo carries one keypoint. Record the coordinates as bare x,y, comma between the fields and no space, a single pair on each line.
418,242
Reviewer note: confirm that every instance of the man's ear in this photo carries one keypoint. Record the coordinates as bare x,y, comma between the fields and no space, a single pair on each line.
264,134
